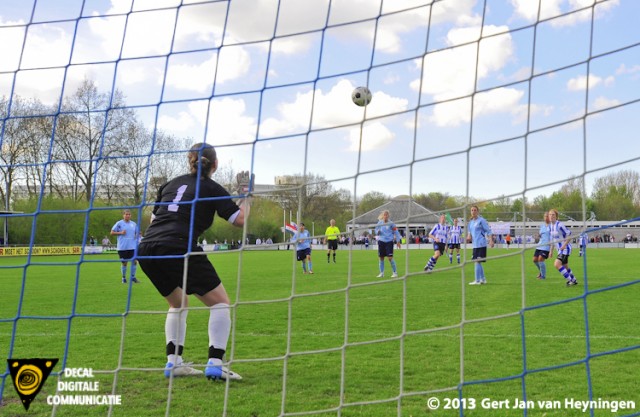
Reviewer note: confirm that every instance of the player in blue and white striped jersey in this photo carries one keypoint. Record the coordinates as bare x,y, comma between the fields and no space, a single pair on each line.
583,239
561,236
439,234
455,239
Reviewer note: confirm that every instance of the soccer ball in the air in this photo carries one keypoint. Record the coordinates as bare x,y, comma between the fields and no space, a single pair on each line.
361,96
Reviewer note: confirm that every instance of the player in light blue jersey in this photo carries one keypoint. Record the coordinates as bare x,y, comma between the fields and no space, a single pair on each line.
439,234
544,246
561,236
127,234
387,231
302,239
478,233
455,239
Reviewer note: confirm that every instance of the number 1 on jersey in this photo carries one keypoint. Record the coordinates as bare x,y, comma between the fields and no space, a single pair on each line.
179,194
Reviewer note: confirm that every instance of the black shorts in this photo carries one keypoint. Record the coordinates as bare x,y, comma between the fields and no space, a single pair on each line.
303,253
167,274
332,244
563,258
439,246
126,255
385,249
454,246
480,253
541,253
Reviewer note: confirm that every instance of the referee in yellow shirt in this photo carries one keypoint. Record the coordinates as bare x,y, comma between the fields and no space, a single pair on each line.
331,239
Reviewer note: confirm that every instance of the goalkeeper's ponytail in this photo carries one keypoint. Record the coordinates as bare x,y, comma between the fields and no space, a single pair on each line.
202,156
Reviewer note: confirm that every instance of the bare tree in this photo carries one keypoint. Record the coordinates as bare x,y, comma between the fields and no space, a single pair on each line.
167,160
87,131
23,147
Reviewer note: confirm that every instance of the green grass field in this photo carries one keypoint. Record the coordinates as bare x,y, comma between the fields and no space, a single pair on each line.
341,337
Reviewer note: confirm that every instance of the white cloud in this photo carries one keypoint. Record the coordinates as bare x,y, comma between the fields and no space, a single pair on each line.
623,69
11,45
197,77
580,83
44,85
180,124
47,45
452,72
119,6
499,100
149,33
375,136
496,101
291,45
523,112
150,4
132,74
528,10
333,108
604,103
400,17
229,124
232,64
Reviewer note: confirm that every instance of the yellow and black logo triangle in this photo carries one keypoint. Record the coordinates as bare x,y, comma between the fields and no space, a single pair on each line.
29,375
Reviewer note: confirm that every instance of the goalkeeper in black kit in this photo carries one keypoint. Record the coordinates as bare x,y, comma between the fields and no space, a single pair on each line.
175,228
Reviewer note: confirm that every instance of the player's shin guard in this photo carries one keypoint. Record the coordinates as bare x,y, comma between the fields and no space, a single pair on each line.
381,265
219,326
393,265
175,329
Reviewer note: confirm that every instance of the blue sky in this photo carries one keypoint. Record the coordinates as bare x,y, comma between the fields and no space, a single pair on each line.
270,86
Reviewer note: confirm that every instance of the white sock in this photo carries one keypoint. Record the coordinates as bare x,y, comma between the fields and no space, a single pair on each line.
219,326
175,330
